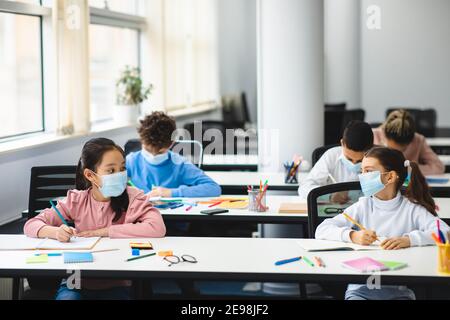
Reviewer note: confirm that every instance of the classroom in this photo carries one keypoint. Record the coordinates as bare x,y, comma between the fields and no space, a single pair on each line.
227,150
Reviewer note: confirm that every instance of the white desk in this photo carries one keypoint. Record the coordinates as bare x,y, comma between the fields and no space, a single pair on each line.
230,162
438,142
230,259
238,181
240,215
272,216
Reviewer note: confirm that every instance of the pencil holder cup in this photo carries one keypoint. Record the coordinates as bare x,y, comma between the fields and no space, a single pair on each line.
444,259
291,175
257,201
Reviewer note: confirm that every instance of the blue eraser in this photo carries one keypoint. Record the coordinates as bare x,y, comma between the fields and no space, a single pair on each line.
136,252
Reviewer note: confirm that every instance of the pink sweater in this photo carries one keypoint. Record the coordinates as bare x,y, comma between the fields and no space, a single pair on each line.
140,221
418,151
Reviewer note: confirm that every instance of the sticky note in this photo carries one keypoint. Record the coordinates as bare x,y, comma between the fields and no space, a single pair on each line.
135,252
38,259
165,253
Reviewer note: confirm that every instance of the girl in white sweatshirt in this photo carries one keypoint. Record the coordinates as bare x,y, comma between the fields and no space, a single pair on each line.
404,220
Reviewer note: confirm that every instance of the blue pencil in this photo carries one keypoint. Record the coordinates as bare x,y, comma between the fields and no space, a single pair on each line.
58,213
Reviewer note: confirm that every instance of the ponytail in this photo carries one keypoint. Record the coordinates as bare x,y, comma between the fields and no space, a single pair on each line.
418,191
400,127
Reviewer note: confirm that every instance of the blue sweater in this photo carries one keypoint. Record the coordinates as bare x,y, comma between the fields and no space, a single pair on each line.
176,173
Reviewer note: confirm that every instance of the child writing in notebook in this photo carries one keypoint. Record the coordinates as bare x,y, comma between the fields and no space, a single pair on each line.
162,173
101,206
340,164
403,220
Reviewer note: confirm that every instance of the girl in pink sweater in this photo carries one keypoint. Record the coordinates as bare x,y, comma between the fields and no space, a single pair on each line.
102,206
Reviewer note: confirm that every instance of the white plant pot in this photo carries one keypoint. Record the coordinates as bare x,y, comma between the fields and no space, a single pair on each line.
126,115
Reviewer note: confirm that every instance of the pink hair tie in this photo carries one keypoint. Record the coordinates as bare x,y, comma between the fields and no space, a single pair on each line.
407,164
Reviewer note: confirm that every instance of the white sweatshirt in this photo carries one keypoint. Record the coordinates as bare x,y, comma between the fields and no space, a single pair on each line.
329,163
393,218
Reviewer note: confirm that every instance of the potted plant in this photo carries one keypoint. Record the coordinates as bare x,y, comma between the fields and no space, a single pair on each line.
130,94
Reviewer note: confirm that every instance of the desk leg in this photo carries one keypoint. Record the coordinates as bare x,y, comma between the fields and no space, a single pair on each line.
16,288
303,293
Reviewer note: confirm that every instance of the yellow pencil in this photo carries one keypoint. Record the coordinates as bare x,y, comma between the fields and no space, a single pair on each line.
356,223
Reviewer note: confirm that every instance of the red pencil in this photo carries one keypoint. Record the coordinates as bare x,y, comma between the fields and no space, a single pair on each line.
215,204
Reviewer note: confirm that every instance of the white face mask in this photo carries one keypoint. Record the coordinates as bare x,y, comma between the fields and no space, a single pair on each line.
154,160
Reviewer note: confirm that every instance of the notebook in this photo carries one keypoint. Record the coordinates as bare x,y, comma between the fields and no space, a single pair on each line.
38,259
293,208
78,257
364,265
312,245
21,242
234,205
392,265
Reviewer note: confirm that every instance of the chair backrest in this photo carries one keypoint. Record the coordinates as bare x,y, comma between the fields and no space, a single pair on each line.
132,145
235,110
318,153
337,120
336,106
321,207
183,147
48,183
425,119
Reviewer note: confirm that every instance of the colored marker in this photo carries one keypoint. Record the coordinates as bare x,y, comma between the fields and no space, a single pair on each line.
282,262
309,262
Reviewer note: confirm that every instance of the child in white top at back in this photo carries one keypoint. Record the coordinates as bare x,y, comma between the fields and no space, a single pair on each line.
404,220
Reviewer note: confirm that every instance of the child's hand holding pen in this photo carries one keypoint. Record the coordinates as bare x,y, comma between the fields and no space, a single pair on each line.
65,233
363,237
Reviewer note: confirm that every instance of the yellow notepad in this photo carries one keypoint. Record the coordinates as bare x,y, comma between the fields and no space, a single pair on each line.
43,258
297,208
234,205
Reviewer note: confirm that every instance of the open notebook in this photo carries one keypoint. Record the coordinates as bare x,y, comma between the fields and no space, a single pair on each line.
312,245
20,242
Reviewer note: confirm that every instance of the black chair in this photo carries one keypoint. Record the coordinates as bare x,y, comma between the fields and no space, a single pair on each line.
336,106
320,208
190,149
337,120
213,136
47,183
425,119
235,111
318,153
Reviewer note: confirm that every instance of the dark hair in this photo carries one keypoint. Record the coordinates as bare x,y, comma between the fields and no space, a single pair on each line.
400,127
417,191
157,129
358,136
91,157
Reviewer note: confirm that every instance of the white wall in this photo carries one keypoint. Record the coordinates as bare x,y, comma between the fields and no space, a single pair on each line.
408,61
237,50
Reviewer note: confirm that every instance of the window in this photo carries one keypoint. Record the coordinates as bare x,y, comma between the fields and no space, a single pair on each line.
133,7
111,50
114,44
21,88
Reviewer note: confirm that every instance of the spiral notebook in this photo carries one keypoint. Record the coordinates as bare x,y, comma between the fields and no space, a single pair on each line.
78,257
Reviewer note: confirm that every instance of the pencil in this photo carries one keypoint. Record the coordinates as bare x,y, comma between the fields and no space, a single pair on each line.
356,223
59,213
141,257
107,250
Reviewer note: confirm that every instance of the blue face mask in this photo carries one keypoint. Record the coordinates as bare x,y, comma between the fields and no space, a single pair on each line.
114,185
350,166
154,160
371,183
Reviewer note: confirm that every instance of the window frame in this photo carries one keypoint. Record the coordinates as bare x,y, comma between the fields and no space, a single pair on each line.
38,11
109,18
